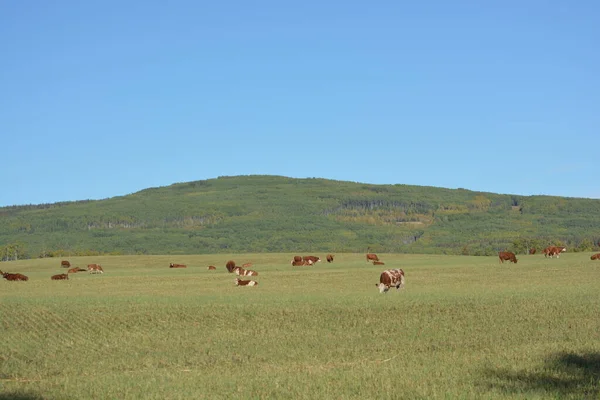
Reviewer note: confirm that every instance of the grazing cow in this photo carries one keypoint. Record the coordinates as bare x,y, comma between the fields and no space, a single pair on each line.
372,257
239,282
507,256
177,265
65,264
244,272
378,263
329,258
14,277
595,257
95,269
247,265
390,278
230,266
211,267
554,251
73,271
312,259
59,277
532,251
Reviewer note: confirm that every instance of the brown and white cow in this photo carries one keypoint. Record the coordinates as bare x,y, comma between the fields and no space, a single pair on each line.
372,257
95,269
211,267
378,263
507,256
551,251
230,266
65,264
239,282
391,278
312,259
13,277
59,277
177,265
595,257
244,272
329,258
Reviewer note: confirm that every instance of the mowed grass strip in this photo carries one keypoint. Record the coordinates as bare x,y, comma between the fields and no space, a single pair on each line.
464,327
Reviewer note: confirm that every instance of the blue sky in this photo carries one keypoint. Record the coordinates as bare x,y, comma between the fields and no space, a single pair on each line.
105,98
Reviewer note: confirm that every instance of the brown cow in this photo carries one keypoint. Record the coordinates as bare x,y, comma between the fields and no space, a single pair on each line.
230,266
247,265
595,257
73,271
372,257
313,259
244,272
532,251
211,267
554,251
59,277
507,256
65,264
239,282
177,265
297,260
329,258
389,278
14,277
378,263
95,269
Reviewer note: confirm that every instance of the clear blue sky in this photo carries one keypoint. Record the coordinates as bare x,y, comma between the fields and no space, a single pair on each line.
105,98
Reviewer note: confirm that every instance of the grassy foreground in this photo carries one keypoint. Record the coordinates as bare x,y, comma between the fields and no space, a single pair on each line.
464,328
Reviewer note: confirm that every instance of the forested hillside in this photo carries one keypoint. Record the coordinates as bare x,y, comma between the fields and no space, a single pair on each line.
279,214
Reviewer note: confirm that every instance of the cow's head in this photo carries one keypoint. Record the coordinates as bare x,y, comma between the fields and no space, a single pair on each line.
382,287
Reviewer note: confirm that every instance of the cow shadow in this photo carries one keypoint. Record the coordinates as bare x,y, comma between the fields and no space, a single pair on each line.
20,396
562,375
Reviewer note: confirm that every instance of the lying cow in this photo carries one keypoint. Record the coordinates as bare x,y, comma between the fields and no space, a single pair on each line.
329,258
14,277
95,269
239,282
230,266
507,256
65,264
59,277
312,259
244,272
177,265
211,267
391,278
378,263
595,257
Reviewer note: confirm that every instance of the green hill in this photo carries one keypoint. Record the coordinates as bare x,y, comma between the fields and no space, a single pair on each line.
278,214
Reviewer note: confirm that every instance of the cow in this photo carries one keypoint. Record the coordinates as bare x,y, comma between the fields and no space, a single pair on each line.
595,257
391,278
239,282
372,257
14,277
95,269
230,266
247,265
211,267
244,272
378,263
177,265
297,260
507,256
554,251
73,271
532,251
301,263
65,264
59,277
313,259
329,258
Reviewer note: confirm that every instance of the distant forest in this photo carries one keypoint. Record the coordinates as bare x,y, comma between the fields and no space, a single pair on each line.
259,213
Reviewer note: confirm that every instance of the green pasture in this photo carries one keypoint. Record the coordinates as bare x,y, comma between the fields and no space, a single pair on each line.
463,328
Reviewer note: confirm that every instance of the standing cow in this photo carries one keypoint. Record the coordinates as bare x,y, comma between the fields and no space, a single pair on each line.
329,258
391,278
372,257
507,256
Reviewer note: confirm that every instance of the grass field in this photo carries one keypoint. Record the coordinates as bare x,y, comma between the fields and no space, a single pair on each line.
463,328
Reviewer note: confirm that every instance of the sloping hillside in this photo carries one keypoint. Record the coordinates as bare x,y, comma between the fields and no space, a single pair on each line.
279,214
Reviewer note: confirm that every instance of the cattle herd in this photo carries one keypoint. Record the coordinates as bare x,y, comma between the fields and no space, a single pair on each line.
388,278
